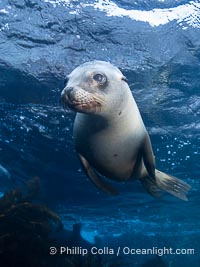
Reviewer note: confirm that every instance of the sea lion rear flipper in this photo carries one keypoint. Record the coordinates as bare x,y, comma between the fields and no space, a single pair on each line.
95,178
159,181
172,185
151,186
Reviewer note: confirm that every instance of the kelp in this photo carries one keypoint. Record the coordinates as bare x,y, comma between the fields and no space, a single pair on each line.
25,228
28,230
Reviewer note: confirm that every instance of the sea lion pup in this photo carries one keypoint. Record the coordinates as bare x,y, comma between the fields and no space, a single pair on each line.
109,134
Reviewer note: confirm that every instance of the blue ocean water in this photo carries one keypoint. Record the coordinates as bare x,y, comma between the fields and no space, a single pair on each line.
36,140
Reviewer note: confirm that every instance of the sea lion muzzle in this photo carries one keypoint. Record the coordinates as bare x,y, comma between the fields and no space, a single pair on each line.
79,100
67,96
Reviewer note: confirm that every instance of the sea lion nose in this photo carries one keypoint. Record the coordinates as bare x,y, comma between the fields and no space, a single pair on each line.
67,95
70,92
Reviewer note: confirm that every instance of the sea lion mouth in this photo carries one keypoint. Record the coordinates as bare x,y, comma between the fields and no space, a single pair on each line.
90,106
81,101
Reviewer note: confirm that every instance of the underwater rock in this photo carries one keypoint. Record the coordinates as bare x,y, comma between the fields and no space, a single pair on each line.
155,262
76,239
5,180
72,238
4,172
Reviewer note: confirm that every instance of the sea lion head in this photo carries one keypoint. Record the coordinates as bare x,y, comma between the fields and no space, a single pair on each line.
95,87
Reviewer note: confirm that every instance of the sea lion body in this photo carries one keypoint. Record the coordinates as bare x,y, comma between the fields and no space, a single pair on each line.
111,146
109,134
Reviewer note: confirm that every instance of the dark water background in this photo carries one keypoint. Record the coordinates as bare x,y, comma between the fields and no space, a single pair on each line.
36,140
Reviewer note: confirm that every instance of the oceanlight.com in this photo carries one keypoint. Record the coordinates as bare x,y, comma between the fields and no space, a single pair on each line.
120,251
158,251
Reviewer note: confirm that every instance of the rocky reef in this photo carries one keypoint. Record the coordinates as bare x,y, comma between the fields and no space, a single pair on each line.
42,41
29,232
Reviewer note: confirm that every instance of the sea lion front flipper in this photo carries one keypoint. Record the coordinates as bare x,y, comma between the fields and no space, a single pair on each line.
95,178
148,157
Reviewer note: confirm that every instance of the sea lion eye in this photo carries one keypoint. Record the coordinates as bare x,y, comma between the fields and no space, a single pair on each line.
124,79
100,78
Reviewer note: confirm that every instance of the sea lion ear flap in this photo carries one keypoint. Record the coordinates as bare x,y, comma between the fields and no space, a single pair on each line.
124,79
66,80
